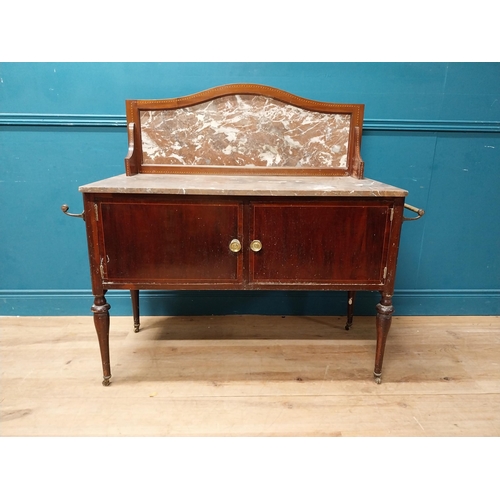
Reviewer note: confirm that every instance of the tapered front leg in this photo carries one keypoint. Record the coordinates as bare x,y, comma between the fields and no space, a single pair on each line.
385,310
101,322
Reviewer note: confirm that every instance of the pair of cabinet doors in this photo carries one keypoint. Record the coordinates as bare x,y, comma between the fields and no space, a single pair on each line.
222,242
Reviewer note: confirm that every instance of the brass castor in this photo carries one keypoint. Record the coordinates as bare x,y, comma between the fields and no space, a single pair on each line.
106,381
378,377
348,326
136,328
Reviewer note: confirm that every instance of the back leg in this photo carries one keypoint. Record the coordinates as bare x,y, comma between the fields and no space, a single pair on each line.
134,294
350,309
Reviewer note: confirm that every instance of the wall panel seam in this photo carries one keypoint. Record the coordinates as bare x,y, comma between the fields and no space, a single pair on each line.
151,293
374,124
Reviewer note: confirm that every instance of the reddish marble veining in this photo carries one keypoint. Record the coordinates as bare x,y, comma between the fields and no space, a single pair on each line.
245,130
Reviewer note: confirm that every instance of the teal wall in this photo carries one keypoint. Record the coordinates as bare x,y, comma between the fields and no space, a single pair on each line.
431,128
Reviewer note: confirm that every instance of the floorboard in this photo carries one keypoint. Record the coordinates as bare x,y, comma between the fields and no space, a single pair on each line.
250,376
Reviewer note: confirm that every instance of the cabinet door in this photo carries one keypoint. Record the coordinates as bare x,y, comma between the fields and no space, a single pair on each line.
152,242
320,243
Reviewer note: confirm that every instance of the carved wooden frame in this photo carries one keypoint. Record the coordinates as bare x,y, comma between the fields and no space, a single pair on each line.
134,161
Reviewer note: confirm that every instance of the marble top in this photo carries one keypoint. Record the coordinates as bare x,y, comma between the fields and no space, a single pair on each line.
241,185
245,130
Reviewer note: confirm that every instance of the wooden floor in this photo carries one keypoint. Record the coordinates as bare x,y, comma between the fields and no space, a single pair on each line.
250,376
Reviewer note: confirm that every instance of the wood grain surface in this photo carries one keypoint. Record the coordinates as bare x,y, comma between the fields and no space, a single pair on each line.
251,376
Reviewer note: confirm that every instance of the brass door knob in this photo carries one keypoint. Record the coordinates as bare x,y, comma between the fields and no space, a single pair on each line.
235,246
256,246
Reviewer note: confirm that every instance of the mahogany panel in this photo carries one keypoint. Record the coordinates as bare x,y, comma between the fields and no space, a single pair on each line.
336,242
169,241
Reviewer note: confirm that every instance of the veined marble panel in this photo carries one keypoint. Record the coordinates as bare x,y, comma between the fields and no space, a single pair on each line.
245,130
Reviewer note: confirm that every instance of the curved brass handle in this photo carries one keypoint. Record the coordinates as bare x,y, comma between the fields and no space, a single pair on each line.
235,246
65,209
256,246
418,211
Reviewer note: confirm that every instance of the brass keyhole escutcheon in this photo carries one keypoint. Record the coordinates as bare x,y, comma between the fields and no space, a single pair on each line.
256,246
235,246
